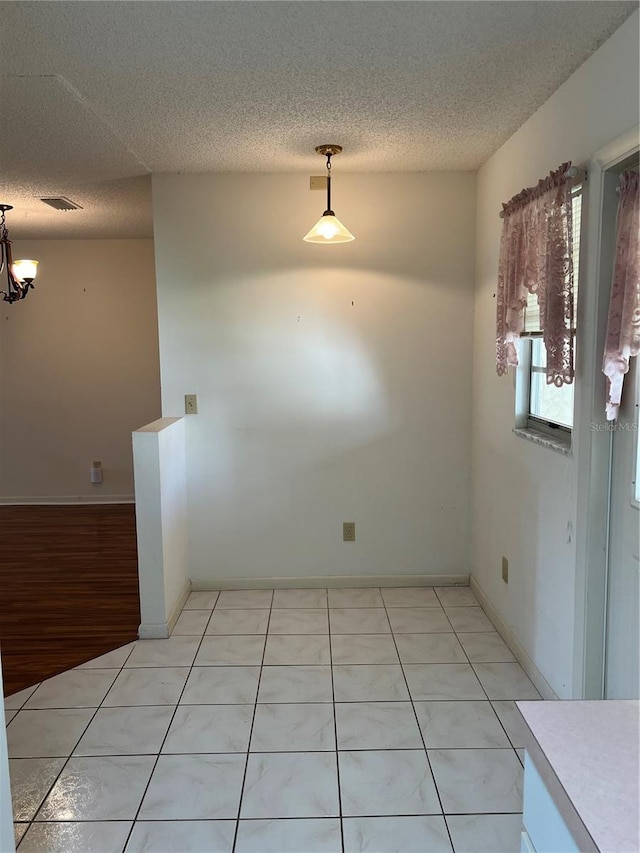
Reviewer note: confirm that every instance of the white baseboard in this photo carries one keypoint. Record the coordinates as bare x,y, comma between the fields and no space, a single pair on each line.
153,631
521,655
53,500
180,603
162,630
338,582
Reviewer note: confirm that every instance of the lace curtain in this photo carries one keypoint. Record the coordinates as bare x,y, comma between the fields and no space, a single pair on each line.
536,257
623,328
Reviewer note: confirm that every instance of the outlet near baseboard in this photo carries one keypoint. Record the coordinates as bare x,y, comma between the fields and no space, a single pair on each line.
348,531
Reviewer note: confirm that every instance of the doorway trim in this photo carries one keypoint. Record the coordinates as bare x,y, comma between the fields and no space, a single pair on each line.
593,447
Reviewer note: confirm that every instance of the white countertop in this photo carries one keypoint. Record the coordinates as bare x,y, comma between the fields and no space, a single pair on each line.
593,748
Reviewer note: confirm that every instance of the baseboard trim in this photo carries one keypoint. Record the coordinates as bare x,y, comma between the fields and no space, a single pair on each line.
541,684
163,630
55,500
180,603
153,631
338,582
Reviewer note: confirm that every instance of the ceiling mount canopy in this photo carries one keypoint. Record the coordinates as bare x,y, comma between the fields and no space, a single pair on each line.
328,150
20,274
328,229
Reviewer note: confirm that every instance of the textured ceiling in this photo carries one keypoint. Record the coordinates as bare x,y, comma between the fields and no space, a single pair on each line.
96,95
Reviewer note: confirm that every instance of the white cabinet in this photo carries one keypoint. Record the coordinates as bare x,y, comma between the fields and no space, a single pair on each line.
581,785
544,828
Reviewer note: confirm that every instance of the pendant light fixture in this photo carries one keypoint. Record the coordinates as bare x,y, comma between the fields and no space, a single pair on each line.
20,274
329,229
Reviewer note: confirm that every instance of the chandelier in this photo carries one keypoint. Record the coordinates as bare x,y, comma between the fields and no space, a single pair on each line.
20,274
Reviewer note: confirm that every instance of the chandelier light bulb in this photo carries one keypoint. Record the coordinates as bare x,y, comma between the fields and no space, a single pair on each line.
329,229
25,270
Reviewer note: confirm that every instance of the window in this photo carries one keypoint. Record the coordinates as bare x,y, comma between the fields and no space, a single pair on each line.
543,407
547,403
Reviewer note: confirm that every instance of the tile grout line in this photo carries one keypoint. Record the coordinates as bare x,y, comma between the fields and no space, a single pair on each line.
29,822
484,690
491,704
466,654
253,719
280,751
264,819
28,697
68,757
85,729
515,748
335,728
175,710
424,745
190,670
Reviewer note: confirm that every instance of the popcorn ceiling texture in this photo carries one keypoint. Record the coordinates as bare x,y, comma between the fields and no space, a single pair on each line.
97,94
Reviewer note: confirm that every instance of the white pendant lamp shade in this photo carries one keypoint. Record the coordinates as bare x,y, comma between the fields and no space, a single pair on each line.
329,229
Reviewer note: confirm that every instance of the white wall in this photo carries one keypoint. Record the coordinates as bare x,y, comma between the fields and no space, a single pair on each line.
524,495
80,369
333,382
161,524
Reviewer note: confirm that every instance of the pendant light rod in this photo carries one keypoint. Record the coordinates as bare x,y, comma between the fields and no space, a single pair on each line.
328,211
328,151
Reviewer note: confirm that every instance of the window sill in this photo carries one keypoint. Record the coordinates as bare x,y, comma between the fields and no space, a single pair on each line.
561,444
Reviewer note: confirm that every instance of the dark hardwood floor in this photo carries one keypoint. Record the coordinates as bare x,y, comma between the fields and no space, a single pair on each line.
68,587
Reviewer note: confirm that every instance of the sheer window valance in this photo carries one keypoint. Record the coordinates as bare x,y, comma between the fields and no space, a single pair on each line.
623,328
536,258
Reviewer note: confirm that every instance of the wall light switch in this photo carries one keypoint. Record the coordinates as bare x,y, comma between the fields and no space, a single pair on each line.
191,404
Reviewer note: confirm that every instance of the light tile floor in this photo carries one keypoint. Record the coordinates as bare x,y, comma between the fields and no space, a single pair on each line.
294,721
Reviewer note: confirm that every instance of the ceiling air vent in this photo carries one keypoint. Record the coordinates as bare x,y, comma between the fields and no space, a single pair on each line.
61,203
